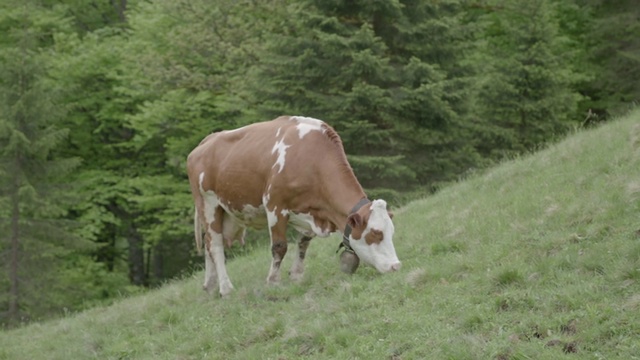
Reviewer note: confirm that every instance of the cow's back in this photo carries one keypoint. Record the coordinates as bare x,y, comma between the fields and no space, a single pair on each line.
282,157
233,164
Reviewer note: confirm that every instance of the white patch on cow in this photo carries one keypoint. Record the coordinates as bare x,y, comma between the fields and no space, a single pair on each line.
306,224
307,124
278,132
211,201
272,218
281,148
382,256
284,212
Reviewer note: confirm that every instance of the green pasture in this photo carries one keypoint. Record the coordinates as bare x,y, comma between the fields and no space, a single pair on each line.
538,258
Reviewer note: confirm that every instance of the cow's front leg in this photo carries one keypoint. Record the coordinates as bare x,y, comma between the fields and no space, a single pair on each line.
297,268
278,233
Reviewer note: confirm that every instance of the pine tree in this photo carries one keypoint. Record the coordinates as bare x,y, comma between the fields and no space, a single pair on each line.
527,96
611,34
385,75
33,239
177,64
141,100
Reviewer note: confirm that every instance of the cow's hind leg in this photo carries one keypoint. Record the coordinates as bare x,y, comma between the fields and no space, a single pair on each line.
277,231
210,274
215,250
297,268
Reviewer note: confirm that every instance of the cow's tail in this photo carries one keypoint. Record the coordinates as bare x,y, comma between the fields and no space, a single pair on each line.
198,231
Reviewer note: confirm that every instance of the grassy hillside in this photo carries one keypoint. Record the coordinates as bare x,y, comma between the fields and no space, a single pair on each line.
538,258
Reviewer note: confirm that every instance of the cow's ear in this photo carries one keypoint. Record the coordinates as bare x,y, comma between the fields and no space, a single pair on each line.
354,220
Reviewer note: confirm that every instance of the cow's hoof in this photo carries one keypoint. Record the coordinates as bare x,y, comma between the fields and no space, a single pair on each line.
273,278
349,262
226,289
296,276
208,288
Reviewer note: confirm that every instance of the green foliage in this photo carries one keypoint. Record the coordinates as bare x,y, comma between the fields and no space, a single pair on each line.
612,35
367,70
526,96
501,296
387,171
423,93
508,277
88,16
102,138
35,240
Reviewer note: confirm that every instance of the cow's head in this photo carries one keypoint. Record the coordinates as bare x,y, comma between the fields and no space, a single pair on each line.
372,236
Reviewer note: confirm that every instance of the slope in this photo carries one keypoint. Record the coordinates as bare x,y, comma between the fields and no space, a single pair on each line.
536,258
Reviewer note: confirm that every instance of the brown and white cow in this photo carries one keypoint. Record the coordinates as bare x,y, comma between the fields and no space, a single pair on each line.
288,171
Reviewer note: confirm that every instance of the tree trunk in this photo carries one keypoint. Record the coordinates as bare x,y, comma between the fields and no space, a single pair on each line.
136,258
14,259
121,8
158,264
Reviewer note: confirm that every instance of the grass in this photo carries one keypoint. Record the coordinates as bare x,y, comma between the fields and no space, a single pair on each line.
538,258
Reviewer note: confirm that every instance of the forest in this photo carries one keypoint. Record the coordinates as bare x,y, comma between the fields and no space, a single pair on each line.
102,101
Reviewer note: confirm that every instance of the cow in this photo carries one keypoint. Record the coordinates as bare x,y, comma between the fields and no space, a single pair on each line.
290,171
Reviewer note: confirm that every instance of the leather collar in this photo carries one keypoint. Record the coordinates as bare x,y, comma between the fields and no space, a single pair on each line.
347,229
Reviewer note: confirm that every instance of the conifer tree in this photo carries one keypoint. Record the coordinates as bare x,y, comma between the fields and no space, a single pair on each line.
611,34
385,74
33,239
527,96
